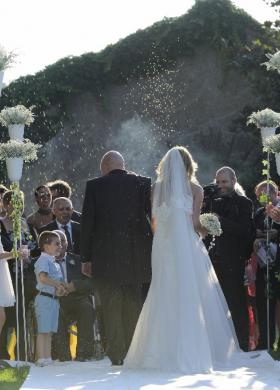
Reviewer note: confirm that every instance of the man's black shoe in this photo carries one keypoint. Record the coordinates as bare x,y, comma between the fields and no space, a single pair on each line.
117,362
83,359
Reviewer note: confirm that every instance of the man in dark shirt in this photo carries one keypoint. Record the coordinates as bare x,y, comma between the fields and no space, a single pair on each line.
233,247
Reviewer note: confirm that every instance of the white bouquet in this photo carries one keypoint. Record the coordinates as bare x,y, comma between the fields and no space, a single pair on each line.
273,61
16,115
264,118
26,150
211,223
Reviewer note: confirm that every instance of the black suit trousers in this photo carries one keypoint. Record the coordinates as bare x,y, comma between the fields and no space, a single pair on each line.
235,293
81,311
261,303
121,306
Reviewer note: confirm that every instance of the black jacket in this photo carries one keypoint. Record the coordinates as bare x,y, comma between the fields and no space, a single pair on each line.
82,284
75,234
115,232
235,244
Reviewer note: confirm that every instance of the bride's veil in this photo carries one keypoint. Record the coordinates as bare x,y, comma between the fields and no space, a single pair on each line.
172,188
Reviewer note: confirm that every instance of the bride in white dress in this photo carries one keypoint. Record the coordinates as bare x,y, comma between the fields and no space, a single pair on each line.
7,297
185,324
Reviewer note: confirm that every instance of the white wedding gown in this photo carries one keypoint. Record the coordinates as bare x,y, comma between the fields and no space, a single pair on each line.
185,324
7,297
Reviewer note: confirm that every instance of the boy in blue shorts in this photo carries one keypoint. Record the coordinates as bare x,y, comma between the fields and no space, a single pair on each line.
50,285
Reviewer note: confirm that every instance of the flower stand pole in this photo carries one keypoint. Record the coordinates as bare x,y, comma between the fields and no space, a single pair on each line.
267,258
1,80
17,203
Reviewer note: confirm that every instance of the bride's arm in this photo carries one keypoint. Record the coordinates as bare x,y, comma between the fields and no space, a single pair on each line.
153,225
153,220
23,253
197,191
6,256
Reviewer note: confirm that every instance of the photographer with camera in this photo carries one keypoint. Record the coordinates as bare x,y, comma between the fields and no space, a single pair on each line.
233,247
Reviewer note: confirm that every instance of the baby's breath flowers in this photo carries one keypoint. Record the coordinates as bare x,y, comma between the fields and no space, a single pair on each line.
16,115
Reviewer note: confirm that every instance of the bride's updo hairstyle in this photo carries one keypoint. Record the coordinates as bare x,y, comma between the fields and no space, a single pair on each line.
190,164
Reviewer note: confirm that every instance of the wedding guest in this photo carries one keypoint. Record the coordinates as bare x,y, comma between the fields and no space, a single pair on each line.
116,242
7,296
266,193
28,239
63,211
76,306
3,189
49,285
43,216
233,247
61,189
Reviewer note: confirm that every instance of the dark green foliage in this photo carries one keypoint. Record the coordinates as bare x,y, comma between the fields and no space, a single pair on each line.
214,22
238,38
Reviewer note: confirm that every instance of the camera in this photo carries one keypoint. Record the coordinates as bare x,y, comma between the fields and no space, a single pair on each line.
211,191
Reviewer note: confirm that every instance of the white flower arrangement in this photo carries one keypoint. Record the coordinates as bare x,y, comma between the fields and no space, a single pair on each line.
6,58
264,118
16,115
211,223
272,144
26,150
273,61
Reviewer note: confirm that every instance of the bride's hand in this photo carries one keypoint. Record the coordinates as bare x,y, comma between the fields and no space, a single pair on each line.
203,232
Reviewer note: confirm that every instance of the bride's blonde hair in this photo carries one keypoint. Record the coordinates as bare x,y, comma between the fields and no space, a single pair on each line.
190,164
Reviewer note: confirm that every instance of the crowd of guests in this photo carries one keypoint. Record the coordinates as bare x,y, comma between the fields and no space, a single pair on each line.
250,239
239,258
54,220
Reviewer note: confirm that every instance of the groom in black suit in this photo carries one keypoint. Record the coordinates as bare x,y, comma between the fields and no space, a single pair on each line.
116,243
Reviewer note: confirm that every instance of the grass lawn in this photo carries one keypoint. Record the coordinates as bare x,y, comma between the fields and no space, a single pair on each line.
13,378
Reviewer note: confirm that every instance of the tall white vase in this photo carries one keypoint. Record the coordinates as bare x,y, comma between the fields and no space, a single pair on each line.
14,167
1,80
267,132
277,160
16,132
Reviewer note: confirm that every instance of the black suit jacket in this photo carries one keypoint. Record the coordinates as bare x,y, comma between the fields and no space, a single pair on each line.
115,233
75,233
82,284
235,245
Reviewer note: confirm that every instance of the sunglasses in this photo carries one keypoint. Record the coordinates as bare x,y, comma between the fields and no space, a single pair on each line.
44,195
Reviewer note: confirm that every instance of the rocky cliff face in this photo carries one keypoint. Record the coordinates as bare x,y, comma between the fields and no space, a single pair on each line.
194,103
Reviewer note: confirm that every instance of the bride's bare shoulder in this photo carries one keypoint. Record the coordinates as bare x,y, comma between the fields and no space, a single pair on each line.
197,190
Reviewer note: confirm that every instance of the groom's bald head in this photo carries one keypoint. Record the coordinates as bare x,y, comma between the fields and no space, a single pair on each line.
110,161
